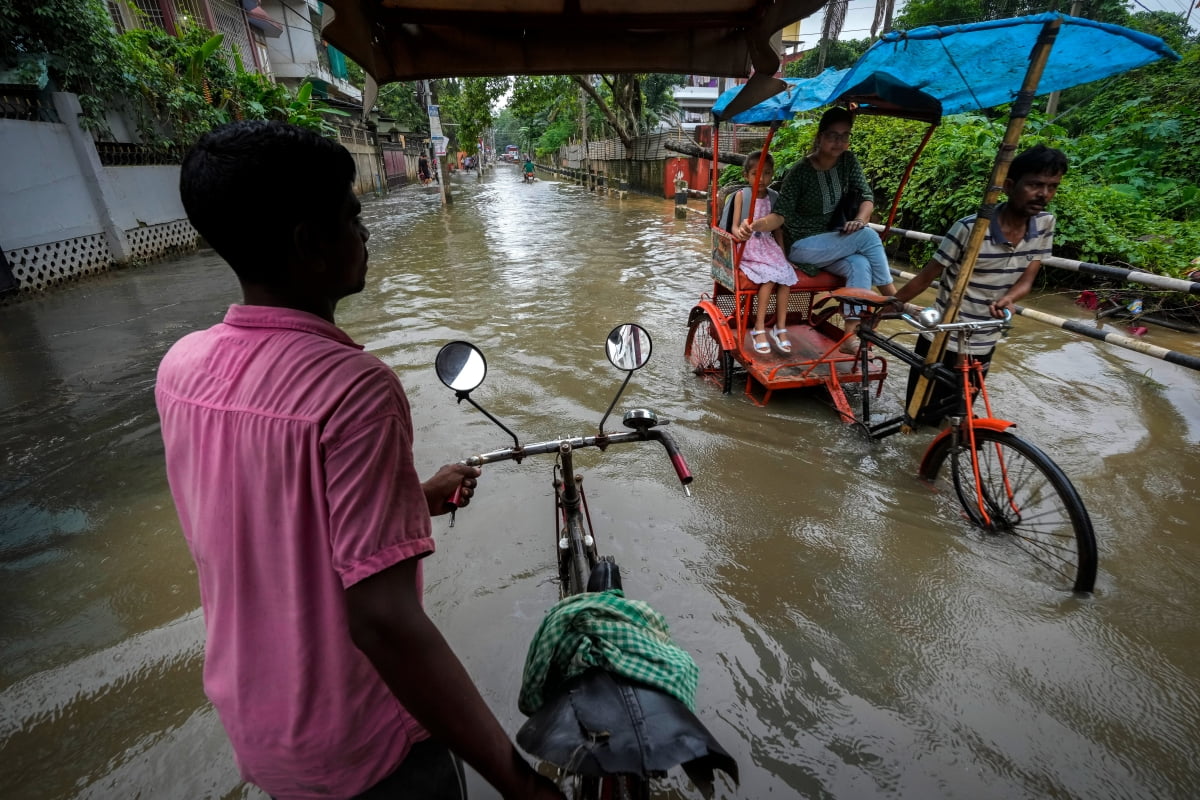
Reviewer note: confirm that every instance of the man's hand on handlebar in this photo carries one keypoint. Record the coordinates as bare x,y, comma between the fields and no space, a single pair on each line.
445,482
997,308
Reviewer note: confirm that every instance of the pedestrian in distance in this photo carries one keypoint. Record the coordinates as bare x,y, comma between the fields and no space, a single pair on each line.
423,173
1020,234
763,259
289,453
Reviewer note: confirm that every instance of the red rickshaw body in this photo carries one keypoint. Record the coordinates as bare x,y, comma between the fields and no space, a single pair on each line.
719,333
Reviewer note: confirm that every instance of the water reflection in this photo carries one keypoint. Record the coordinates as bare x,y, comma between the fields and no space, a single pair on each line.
855,637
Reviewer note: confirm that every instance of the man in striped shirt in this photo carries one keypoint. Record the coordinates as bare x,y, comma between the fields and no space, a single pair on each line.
1020,235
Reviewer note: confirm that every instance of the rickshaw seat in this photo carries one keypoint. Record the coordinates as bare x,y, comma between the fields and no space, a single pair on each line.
821,282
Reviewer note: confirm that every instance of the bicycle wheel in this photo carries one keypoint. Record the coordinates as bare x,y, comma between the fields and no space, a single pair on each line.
1025,494
703,351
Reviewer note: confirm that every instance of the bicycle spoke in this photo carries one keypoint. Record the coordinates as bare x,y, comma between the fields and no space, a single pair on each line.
1021,492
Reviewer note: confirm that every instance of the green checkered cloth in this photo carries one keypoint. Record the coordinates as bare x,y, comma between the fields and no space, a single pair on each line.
604,629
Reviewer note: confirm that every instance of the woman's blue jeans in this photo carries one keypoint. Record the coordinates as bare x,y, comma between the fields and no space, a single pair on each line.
858,257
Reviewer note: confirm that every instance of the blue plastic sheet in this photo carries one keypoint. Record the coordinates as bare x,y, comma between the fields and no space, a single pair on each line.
949,70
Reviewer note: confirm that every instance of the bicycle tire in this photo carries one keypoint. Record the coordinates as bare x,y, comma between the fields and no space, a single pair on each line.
703,351
1027,495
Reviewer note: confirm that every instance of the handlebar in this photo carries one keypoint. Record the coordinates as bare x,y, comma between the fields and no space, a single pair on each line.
974,325
601,441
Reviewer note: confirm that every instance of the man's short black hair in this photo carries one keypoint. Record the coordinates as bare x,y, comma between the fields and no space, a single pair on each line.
247,185
1038,160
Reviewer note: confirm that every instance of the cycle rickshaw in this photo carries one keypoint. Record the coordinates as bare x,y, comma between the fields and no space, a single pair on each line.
608,735
1003,483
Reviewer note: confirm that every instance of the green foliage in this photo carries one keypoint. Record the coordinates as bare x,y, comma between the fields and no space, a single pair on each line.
1114,205
184,84
539,101
467,103
85,55
308,112
633,104
555,136
919,13
176,87
841,54
1153,108
399,101
508,129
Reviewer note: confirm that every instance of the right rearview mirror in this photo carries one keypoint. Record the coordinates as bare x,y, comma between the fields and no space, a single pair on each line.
460,366
628,346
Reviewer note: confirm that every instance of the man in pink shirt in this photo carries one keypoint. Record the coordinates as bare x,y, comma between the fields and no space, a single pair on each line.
289,455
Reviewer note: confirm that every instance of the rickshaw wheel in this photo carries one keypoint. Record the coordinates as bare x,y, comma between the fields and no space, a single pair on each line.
703,351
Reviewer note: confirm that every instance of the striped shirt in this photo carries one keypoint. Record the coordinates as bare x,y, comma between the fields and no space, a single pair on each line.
999,265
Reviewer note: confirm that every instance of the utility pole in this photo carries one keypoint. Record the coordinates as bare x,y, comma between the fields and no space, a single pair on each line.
584,120
1052,102
438,141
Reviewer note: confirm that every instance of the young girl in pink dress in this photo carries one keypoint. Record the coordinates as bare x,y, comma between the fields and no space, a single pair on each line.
764,262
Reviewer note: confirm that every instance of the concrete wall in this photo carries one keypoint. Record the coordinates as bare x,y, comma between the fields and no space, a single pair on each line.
368,169
64,215
44,197
145,195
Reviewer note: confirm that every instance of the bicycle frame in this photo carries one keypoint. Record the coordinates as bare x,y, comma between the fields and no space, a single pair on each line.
577,555
969,383
1004,484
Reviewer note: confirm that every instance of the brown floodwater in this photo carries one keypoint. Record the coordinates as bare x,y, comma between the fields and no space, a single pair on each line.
855,638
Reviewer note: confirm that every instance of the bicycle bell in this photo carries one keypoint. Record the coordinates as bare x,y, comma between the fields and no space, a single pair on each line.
640,419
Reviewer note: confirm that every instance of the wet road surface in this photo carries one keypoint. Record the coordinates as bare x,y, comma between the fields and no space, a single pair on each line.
855,637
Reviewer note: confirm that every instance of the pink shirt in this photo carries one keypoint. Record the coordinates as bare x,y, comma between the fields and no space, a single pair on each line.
289,454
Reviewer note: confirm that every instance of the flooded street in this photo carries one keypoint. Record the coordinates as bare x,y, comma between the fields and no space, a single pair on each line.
855,638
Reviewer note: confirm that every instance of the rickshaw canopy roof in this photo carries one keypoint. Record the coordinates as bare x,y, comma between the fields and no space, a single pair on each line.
408,39
930,72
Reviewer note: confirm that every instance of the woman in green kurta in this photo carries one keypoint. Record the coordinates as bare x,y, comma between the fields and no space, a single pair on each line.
811,191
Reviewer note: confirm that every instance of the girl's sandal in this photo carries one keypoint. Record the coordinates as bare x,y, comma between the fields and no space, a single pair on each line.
781,340
760,347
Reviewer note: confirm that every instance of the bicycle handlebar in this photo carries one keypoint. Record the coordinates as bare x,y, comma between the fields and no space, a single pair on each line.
975,325
601,441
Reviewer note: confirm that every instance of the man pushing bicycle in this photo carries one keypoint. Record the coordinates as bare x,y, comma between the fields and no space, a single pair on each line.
1019,236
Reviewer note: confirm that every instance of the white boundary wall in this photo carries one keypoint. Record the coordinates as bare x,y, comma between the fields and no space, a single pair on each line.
63,214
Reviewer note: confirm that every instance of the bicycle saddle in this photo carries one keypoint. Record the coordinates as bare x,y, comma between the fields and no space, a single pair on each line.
861,297
600,724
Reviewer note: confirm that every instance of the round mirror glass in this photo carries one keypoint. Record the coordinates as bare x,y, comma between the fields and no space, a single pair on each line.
628,346
460,366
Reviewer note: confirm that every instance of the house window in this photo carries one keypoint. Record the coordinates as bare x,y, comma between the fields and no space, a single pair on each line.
231,21
260,49
189,12
131,15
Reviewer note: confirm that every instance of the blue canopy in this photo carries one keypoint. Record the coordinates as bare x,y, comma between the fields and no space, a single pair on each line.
930,72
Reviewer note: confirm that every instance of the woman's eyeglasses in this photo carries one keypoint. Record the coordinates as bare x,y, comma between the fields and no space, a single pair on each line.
834,136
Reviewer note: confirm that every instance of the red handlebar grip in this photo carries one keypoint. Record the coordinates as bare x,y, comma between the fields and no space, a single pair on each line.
681,468
455,499
677,461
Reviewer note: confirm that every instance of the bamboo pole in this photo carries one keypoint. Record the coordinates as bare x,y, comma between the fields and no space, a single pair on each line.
1004,157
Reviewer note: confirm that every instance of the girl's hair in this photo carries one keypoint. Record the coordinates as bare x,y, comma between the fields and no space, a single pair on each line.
830,118
752,162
